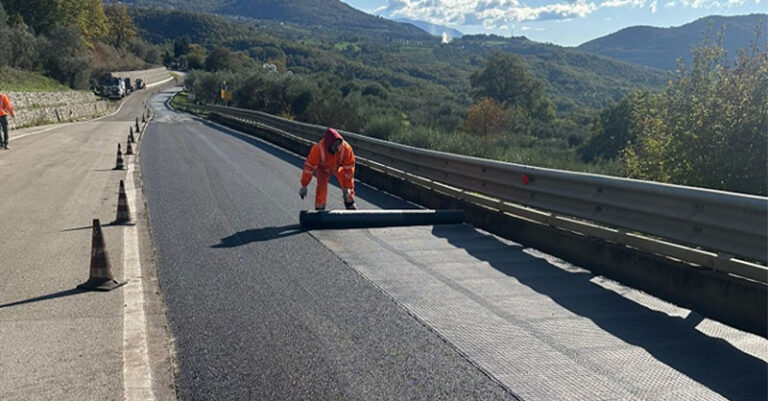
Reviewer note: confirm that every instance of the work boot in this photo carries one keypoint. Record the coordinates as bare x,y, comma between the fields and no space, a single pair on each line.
350,205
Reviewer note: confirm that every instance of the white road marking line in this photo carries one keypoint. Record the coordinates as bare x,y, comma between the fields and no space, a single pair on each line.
159,83
137,376
34,133
116,111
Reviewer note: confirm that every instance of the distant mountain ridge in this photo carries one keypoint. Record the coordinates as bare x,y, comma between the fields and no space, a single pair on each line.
328,14
432,29
574,78
661,47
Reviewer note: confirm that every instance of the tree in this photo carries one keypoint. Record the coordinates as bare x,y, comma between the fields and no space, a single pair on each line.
5,31
708,127
220,59
39,15
153,56
506,79
88,15
487,117
67,57
615,127
24,48
195,59
167,60
122,30
181,46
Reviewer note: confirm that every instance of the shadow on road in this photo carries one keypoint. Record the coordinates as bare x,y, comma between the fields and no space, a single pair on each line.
89,227
60,294
259,235
674,341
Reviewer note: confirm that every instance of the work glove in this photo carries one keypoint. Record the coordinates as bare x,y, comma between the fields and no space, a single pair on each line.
303,192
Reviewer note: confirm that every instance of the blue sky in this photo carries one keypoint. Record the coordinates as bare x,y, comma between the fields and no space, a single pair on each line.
564,22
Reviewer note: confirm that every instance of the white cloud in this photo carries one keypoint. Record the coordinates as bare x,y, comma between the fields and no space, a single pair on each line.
707,4
489,13
622,3
494,14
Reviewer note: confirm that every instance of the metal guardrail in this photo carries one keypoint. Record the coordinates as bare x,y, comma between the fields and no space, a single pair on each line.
721,230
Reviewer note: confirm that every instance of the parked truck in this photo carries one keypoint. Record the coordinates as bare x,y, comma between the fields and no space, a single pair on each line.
128,86
112,87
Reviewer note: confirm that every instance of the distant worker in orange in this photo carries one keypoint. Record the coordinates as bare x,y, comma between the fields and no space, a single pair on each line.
332,155
5,109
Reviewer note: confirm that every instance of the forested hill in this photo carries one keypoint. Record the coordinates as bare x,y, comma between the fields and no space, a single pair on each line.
574,78
160,25
487,96
582,77
328,14
661,47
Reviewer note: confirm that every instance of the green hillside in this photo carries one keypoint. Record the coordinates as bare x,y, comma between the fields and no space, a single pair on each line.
574,78
13,80
487,96
325,14
661,47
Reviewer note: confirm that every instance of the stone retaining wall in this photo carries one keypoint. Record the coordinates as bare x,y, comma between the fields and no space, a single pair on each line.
36,108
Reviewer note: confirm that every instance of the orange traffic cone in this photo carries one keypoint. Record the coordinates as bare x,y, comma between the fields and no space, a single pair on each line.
100,277
123,213
128,147
137,125
130,135
119,165
143,120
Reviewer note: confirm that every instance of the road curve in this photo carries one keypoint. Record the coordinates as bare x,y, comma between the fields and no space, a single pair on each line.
263,311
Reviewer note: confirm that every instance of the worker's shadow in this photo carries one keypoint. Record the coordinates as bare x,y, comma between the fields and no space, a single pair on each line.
259,235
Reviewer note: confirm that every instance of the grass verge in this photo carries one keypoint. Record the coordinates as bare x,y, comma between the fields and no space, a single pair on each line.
13,80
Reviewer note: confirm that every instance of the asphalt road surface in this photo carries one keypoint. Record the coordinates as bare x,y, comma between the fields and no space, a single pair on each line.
261,310
56,342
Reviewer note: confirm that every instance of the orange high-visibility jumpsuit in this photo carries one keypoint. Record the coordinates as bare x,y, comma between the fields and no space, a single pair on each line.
5,106
5,109
341,164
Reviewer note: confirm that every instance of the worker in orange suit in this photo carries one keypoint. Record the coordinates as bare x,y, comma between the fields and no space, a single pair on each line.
331,156
5,109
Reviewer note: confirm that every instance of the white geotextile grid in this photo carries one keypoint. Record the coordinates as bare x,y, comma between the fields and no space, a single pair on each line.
534,346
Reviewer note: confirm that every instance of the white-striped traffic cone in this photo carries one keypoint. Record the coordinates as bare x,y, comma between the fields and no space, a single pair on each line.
100,276
120,164
123,212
